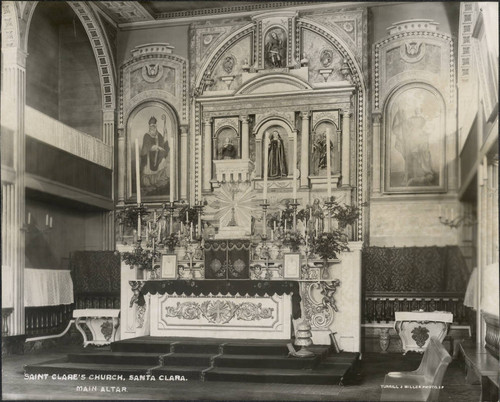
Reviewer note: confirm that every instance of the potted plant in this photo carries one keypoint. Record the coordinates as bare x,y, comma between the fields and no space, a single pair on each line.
292,239
171,241
328,244
128,216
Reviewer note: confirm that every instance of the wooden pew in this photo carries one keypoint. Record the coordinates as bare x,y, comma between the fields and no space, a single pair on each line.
422,384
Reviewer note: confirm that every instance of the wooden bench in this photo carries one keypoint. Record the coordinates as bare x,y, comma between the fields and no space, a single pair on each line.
422,384
481,362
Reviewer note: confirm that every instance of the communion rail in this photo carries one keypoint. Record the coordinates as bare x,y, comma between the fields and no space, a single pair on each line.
380,306
47,320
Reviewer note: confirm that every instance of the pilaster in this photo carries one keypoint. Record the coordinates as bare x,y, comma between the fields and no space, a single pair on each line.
304,149
122,163
377,117
244,137
184,176
346,148
207,153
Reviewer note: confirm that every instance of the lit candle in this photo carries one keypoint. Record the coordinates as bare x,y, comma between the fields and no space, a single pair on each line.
29,218
187,217
328,165
172,174
274,224
137,173
182,228
46,219
266,163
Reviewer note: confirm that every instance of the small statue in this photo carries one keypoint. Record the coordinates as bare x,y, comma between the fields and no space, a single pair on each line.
317,217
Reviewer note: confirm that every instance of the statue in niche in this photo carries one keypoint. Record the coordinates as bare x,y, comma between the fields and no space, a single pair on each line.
318,158
412,142
154,157
275,49
277,166
162,224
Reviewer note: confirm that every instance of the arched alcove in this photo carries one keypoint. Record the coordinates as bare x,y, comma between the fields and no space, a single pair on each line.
62,78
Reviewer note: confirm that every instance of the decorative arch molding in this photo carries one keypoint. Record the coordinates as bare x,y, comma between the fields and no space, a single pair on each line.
290,82
98,42
10,24
261,128
158,57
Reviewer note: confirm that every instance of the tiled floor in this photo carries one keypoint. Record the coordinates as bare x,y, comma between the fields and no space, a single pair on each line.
374,367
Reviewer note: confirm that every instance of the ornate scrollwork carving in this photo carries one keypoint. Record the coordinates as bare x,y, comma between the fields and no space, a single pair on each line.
320,312
219,311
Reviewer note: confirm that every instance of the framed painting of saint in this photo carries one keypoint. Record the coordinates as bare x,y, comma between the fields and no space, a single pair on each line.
152,127
227,144
275,48
318,159
415,132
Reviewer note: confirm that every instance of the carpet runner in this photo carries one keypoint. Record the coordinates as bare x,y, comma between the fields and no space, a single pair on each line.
257,361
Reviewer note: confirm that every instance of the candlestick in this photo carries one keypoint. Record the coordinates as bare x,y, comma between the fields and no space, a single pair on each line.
187,216
46,219
328,165
137,172
29,218
172,173
274,224
295,167
266,163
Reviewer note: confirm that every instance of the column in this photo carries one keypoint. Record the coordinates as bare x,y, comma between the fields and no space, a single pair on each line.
346,149
108,127
376,153
207,154
259,155
244,138
122,165
184,162
304,150
12,121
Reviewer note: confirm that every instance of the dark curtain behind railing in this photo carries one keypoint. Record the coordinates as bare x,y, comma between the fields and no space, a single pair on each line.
413,278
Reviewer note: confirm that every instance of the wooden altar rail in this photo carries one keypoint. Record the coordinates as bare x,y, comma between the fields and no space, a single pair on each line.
380,307
47,320
90,300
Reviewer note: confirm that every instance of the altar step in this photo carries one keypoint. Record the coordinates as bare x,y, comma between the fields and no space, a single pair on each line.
208,360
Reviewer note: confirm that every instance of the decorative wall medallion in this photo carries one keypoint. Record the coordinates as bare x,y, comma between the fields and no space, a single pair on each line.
239,265
412,51
152,72
219,311
207,39
348,27
326,57
228,64
215,265
107,329
420,335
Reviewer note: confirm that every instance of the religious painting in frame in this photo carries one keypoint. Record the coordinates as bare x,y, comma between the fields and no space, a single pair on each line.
415,132
291,262
168,266
275,48
227,144
152,126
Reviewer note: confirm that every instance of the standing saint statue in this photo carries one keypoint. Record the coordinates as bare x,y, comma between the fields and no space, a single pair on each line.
154,157
318,158
317,217
276,157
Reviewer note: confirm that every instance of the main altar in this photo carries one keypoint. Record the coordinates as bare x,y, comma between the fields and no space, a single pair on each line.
241,181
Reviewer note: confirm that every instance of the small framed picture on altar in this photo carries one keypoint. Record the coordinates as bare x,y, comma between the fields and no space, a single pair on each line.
169,266
292,266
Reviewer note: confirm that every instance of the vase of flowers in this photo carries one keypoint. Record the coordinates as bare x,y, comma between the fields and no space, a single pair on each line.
141,259
328,244
171,242
292,239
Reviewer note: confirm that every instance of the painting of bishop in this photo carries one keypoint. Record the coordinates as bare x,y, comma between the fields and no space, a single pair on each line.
153,128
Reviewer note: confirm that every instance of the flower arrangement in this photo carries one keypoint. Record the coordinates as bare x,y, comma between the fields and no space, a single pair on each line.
291,238
171,241
345,214
141,258
128,216
328,244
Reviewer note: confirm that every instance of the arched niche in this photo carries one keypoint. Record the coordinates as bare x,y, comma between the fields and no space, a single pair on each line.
317,149
415,140
287,137
158,165
226,144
